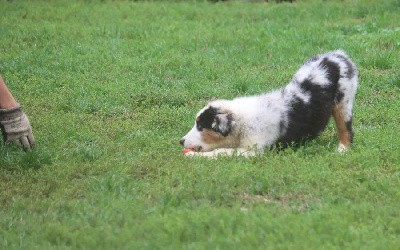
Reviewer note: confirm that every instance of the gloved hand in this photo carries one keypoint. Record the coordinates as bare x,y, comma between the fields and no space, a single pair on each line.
15,127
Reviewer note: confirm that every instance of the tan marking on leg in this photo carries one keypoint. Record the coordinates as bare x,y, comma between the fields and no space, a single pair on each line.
344,134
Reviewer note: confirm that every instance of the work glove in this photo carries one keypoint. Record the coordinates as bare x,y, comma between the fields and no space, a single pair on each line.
16,128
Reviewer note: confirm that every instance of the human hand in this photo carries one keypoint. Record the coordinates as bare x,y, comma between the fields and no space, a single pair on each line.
16,128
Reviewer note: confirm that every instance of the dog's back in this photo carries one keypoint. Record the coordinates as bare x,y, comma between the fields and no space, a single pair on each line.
324,85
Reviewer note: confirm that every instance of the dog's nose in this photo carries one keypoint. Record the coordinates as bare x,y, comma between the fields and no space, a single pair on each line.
182,141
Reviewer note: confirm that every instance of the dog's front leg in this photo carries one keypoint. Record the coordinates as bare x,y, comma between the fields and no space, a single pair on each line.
224,152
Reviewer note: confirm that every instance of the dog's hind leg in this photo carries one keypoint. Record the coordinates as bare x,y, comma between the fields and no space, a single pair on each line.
343,120
344,99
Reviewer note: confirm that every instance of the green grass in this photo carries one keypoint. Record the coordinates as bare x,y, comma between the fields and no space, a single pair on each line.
111,86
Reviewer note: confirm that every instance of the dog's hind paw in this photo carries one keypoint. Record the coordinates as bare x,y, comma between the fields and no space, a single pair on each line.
342,148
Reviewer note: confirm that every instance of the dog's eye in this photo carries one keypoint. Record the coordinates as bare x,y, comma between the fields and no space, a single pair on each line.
198,126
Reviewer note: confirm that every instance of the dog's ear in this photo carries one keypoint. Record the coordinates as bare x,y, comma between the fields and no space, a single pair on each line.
223,123
215,119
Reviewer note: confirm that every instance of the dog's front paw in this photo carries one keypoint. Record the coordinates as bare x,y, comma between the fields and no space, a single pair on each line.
200,154
191,154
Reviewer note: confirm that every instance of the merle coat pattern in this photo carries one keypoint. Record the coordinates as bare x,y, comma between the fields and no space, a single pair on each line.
324,86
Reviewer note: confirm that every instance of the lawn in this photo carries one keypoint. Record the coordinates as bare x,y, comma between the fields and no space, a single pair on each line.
111,86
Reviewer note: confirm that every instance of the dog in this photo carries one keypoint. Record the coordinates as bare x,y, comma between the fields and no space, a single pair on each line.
324,86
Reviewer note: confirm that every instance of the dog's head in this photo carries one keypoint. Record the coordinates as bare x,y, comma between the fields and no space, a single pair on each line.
212,129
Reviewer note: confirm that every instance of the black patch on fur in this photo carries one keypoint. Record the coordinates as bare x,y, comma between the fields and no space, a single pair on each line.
282,126
222,122
206,119
333,70
307,120
350,68
349,126
339,96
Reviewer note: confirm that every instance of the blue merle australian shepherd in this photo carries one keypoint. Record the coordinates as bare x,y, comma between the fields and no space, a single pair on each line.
324,86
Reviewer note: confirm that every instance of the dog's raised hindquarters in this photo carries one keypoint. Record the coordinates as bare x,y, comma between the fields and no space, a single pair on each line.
324,86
